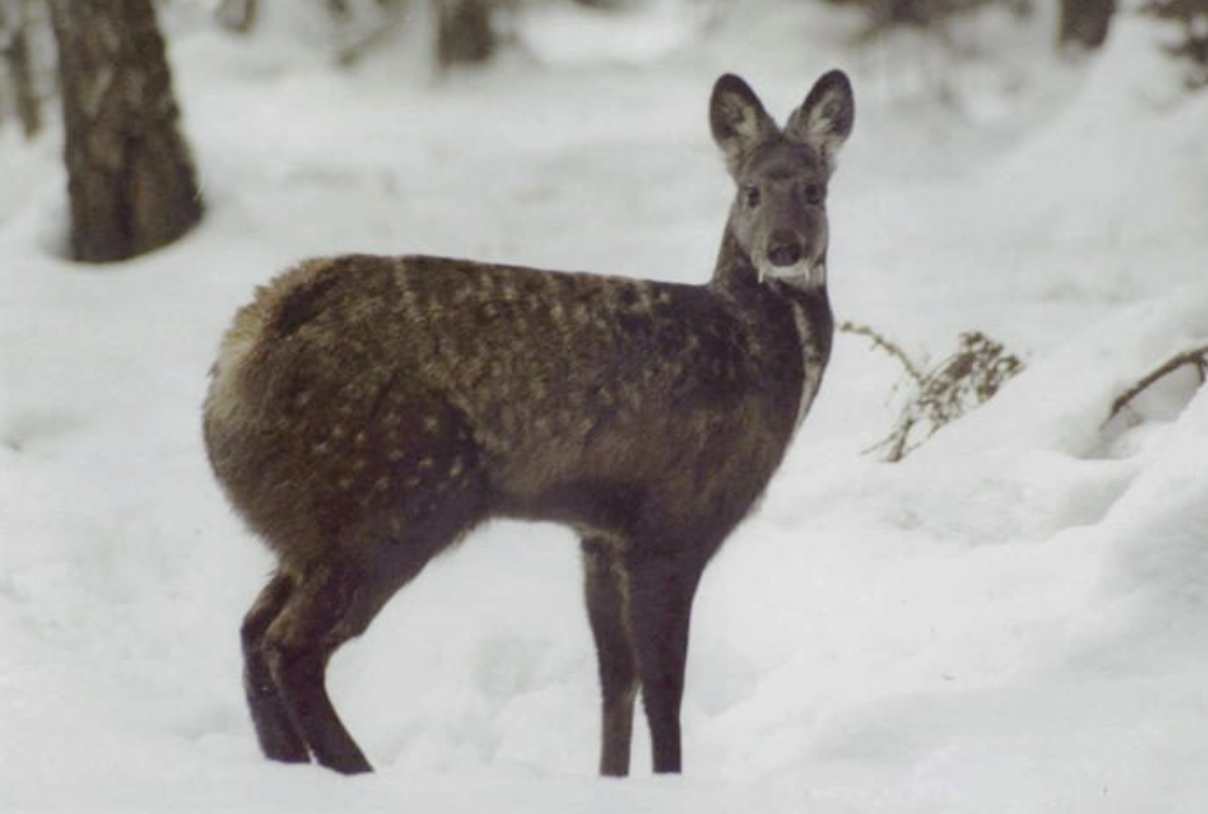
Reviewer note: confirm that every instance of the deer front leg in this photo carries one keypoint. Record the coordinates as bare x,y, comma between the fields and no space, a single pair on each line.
660,606
606,587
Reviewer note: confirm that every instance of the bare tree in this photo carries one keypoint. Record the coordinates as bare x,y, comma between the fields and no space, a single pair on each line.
130,175
15,21
464,33
1084,23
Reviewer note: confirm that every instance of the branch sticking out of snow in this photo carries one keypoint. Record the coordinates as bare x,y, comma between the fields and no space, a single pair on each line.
886,345
964,380
1196,356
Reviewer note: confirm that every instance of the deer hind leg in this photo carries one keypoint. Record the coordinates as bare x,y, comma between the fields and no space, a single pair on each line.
660,607
335,601
606,586
328,606
279,738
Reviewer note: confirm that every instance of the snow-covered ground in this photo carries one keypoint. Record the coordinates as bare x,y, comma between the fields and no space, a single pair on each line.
1015,619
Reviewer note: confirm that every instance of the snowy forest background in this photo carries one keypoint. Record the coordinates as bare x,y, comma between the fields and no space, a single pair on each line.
1013,617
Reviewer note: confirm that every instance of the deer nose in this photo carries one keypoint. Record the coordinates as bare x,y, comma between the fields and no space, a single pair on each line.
784,250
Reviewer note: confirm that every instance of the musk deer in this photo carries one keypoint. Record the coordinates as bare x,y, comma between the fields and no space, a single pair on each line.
366,412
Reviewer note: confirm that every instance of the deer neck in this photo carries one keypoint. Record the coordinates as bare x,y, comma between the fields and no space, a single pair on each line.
808,306
815,328
734,269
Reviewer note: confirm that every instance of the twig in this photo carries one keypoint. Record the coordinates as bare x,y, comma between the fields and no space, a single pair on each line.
1195,356
885,345
967,378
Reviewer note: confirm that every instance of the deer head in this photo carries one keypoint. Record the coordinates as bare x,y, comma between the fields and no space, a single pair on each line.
778,219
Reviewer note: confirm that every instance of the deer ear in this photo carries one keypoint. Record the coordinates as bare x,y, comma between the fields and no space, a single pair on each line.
739,122
825,118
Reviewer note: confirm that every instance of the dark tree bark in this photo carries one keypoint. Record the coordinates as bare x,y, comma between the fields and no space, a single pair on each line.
130,175
1085,23
463,32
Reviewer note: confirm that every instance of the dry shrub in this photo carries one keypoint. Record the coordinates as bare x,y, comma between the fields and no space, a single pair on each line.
964,380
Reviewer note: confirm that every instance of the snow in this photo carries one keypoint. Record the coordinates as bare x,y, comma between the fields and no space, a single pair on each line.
1012,619
562,35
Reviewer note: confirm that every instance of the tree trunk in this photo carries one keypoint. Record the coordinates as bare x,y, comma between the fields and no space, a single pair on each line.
463,32
1085,23
17,55
238,15
130,176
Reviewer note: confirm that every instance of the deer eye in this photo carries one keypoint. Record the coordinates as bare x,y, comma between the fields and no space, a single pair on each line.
814,193
752,196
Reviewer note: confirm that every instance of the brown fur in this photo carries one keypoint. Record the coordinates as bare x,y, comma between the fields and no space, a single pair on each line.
365,412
